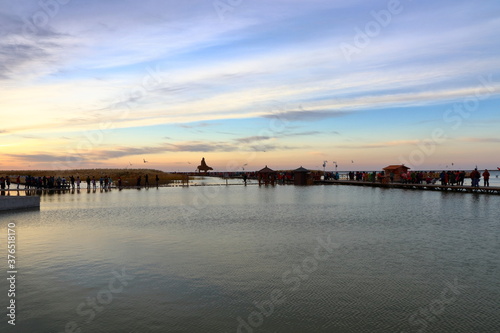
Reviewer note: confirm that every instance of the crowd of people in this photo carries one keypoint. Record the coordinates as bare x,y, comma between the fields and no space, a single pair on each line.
5,182
476,177
411,177
424,177
52,182
458,177
364,176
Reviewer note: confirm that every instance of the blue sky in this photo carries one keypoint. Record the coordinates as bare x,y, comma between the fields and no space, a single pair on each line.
278,83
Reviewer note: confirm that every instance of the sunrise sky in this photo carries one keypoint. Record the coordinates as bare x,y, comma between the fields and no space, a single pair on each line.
283,83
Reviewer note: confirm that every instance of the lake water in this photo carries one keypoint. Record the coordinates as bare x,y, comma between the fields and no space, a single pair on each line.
257,259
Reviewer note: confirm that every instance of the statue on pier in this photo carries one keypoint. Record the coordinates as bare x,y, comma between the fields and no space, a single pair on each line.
203,166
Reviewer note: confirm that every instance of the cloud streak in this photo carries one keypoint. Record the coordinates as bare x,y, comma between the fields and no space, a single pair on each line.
304,115
377,145
481,140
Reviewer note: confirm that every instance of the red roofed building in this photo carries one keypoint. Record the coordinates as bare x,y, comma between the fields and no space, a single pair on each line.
397,170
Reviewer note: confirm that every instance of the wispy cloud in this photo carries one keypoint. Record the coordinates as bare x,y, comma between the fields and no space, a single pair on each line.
306,133
305,115
481,140
317,153
196,125
258,138
27,57
119,152
46,157
254,138
386,144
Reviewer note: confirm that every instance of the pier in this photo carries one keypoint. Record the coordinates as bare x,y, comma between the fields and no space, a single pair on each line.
422,187
19,202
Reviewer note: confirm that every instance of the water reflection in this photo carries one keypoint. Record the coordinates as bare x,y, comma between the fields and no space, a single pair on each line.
202,257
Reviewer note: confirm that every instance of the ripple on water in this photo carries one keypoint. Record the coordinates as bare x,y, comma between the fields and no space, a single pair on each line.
202,256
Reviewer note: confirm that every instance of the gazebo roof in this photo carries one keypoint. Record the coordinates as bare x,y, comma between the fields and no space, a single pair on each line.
266,170
301,169
395,167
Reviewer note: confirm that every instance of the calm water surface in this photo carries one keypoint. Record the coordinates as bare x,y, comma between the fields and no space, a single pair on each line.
258,259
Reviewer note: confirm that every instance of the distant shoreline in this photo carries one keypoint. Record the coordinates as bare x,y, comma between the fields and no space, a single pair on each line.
128,176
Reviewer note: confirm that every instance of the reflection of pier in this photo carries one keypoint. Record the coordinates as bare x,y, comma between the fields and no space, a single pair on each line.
26,192
427,187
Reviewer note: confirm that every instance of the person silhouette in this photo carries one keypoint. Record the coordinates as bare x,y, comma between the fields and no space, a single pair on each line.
486,177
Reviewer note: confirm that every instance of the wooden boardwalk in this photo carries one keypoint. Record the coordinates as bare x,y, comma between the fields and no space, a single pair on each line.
426,187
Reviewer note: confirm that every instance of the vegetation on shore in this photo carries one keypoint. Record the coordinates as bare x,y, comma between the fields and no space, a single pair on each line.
128,176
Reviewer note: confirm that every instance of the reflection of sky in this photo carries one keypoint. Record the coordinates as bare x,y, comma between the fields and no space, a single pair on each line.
204,255
268,84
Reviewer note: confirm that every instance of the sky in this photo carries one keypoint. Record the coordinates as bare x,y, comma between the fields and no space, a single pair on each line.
360,84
